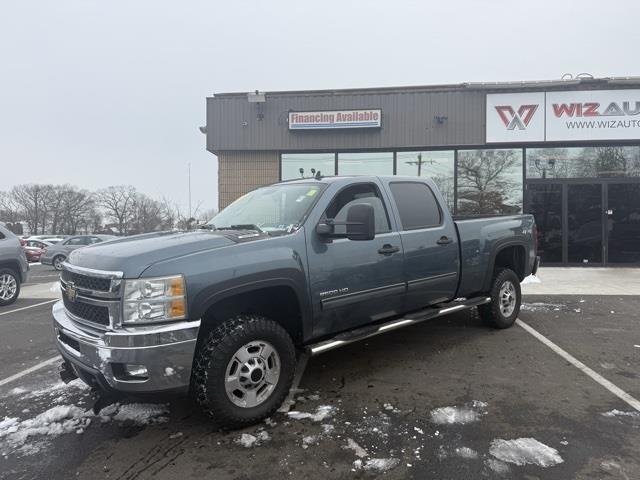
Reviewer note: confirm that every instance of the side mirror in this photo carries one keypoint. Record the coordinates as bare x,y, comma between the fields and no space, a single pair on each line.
361,224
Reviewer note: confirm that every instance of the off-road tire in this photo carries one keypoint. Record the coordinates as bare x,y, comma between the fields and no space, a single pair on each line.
16,277
492,312
210,365
55,264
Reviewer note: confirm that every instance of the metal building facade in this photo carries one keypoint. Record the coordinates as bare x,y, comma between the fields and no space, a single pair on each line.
253,142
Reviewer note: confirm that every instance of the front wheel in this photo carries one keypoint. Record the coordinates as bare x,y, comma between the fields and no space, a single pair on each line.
243,371
9,286
58,260
506,298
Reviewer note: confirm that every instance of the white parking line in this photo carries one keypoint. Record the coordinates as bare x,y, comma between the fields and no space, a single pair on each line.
618,392
29,370
28,306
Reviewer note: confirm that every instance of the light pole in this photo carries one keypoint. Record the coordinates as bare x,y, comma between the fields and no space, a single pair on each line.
189,189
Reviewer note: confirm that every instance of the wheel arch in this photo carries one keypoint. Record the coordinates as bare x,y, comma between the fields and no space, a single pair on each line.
510,254
280,299
13,265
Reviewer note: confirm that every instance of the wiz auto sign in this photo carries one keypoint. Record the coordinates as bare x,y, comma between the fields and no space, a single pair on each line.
563,116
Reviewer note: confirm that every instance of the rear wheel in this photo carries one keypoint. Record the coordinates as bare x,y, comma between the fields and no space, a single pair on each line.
243,371
58,260
505,300
9,286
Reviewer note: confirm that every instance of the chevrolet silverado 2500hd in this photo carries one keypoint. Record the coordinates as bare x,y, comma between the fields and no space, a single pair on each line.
310,264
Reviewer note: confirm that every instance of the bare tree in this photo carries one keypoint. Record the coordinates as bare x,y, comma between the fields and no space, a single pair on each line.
147,214
486,183
118,203
35,202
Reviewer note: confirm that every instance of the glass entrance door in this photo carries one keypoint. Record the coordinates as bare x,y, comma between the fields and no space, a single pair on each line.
584,231
545,203
623,223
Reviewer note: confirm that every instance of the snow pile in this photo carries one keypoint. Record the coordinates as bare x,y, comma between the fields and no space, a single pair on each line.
247,440
466,452
322,412
377,464
451,415
530,279
17,391
310,440
523,451
56,421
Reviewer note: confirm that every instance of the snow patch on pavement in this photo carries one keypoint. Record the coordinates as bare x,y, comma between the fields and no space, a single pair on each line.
247,440
618,413
523,451
29,436
541,307
497,466
451,415
322,412
466,452
530,279
377,464
357,449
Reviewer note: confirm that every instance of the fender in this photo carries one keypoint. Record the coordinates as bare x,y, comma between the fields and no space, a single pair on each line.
498,248
283,278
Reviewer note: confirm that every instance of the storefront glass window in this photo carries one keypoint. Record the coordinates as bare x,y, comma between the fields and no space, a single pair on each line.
489,181
371,163
305,165
437,165
583,162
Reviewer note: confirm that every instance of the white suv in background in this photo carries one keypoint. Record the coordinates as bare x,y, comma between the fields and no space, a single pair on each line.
14,267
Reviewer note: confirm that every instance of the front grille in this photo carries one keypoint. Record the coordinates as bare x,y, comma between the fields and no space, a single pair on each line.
85,311
87,282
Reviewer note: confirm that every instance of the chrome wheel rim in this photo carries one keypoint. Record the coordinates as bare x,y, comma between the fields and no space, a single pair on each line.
507,298
8,286
252,374
57,263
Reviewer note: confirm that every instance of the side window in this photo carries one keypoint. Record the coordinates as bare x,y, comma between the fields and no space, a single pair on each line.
417,206
75,241
355,195
92,240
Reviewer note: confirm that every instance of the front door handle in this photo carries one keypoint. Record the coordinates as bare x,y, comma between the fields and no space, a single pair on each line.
444,241
388,249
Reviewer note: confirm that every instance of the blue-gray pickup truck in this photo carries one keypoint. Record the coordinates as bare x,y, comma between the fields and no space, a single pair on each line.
293,268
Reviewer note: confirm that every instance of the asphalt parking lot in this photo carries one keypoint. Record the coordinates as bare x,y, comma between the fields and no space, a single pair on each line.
446,399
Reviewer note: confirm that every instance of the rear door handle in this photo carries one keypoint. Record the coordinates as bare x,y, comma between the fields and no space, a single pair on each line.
388,249
444,241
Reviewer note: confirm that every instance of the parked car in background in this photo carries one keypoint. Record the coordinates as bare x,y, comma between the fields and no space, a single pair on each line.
13,266
34,249
56,254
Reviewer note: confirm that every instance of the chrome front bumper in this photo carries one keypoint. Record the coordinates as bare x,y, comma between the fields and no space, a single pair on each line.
166,351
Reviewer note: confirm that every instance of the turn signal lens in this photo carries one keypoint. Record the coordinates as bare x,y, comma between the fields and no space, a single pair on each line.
177,309
176,287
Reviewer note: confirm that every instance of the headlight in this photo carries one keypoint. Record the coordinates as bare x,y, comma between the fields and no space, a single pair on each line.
150,300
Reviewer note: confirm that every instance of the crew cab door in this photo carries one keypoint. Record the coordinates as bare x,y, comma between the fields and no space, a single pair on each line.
430,243
354,282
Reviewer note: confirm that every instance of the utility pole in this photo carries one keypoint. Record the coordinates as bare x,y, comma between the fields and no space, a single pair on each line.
419,163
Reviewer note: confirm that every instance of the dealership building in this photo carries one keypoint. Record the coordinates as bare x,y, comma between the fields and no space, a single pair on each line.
566,151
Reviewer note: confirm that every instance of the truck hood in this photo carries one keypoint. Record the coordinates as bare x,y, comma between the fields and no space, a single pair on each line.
133,255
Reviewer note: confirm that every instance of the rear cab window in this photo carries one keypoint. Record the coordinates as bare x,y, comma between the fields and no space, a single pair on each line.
417,205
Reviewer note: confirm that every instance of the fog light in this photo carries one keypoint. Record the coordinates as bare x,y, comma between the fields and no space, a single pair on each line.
138,371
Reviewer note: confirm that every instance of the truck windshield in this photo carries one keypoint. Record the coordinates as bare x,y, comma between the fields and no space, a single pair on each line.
273,209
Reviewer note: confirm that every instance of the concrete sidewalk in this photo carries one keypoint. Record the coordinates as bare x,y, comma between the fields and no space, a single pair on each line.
585,281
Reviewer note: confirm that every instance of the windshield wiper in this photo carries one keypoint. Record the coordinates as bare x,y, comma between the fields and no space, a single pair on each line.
243,226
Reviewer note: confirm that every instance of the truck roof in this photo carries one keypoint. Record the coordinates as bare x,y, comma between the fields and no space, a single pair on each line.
344,178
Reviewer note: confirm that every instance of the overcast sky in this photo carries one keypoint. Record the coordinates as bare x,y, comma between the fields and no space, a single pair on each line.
97,93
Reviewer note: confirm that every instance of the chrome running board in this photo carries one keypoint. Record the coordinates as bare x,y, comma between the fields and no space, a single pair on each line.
369,331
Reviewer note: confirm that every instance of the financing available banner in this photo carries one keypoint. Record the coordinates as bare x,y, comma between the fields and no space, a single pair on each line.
563,116
335,119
